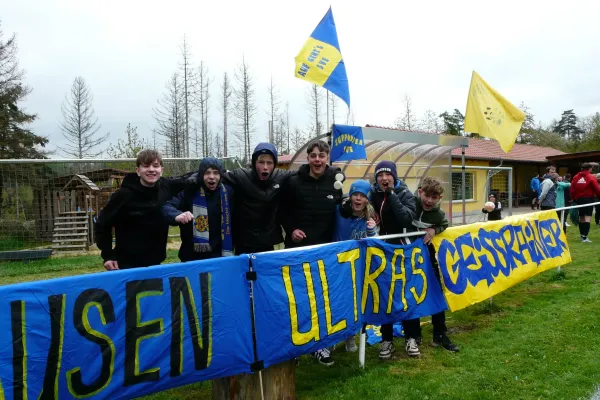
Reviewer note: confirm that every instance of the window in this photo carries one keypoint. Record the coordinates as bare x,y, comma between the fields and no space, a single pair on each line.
457,185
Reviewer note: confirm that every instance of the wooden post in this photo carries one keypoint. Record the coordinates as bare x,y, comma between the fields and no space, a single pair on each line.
279,382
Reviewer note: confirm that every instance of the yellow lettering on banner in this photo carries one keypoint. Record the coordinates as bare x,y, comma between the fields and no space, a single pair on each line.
301,338
341,325
395,277
418,271
371,277
351,257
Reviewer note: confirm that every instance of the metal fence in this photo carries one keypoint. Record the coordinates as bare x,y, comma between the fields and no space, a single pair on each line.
45,202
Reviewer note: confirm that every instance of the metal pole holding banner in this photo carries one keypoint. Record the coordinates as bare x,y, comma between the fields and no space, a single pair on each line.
464,183
362,346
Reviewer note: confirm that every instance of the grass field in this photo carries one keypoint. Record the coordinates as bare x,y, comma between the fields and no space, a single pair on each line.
538,340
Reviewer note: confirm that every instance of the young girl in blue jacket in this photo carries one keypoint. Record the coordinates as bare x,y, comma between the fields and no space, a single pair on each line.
354,219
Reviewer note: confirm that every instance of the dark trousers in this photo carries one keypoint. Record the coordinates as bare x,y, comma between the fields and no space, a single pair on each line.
535,201
412,327
597,215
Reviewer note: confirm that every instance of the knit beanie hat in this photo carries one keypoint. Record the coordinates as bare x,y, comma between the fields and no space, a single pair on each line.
386,166
361,186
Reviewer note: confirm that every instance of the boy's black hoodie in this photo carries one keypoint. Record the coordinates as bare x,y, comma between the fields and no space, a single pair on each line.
140,229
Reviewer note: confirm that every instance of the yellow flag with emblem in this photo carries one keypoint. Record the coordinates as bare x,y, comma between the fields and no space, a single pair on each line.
320,60
490,115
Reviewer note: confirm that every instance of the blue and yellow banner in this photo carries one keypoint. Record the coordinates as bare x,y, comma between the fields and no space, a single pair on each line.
308,299
347,143
480,260
320,60
123,334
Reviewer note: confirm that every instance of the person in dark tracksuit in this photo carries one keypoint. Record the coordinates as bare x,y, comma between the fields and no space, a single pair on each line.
203,211
134,211
395,205
309,206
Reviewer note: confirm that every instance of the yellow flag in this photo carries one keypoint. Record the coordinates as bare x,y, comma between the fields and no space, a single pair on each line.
491,115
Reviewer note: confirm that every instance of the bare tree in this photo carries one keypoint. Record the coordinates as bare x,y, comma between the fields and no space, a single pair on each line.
314,97
298,139
333,102
197,140
287,125
218,146
350,117
274,102
245,108
431,122
189,78
80,127
170,117
225,105
408,120
202,97
128,147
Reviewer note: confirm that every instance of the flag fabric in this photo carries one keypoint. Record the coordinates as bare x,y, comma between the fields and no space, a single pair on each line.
320,60
347,143
490,115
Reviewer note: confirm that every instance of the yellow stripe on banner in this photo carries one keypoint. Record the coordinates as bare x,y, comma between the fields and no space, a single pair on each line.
316,61
480,260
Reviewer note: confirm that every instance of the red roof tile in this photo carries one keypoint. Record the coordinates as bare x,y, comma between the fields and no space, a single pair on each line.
490,150
285,159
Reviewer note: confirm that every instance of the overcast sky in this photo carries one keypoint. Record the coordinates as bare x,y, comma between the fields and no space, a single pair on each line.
545,55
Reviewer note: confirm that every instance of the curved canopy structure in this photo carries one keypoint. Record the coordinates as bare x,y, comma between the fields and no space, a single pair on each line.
415,155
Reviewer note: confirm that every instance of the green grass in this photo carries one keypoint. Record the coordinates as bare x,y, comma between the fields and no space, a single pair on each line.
538,340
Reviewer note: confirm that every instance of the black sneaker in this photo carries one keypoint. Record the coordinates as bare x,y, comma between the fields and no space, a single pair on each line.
419,340
324,357
444,341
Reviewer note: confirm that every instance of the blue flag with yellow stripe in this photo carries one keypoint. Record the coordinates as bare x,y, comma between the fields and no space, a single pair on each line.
320,60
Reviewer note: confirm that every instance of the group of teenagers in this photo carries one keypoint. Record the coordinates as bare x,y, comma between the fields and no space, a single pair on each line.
553,191
243,211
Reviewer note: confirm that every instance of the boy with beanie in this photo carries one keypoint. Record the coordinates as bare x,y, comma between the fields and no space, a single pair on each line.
396,207
432,219
203,211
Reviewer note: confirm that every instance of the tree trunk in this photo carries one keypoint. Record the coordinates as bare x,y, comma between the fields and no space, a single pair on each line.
278,382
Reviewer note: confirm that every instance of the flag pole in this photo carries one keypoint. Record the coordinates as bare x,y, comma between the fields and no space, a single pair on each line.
328,110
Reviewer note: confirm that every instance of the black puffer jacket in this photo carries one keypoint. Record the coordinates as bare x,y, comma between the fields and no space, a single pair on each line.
184,201
310,205
255,222
396,211
140,229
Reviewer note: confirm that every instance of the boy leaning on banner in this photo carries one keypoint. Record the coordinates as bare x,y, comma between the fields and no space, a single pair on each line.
396,207
203,211
432,219
354,219
134,211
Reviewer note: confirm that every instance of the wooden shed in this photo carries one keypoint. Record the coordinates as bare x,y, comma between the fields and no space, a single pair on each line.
66,207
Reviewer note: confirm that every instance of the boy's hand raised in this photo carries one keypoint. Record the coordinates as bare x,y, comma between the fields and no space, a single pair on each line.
184,218
111,265
298,235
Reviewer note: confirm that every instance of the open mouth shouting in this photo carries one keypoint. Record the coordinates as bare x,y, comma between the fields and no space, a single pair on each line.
211,185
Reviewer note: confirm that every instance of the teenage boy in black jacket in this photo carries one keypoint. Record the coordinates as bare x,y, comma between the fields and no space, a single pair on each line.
134,211
308,208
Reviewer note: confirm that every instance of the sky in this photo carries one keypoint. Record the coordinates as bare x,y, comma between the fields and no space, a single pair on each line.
543,54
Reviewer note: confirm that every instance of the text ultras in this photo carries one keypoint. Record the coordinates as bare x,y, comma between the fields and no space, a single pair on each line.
388,281
139,297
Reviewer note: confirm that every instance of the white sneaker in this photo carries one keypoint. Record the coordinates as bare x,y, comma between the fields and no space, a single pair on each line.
411,348
386,350
586,240
567,224
351,346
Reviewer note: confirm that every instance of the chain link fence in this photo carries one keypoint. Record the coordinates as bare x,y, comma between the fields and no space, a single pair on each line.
45,202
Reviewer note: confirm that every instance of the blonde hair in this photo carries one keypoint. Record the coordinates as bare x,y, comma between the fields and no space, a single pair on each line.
368,212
